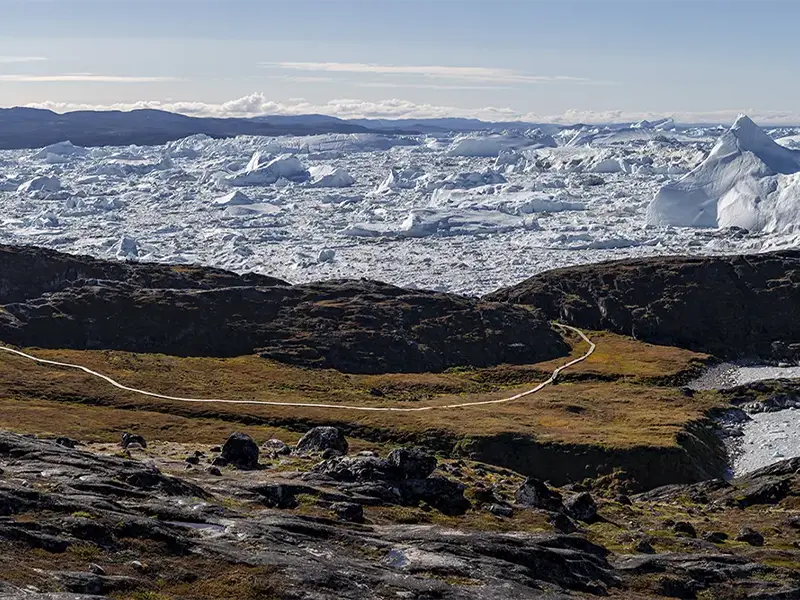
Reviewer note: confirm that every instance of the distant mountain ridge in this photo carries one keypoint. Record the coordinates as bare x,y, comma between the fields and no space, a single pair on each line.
36,128
22,127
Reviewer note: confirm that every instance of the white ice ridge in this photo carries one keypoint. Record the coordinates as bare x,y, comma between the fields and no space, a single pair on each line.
748,181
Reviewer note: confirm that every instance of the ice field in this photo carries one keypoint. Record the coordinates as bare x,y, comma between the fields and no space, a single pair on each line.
465,213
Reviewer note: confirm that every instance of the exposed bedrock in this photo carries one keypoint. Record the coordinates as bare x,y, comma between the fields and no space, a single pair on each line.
729,306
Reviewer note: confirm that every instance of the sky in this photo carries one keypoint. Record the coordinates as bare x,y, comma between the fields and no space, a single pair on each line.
536,60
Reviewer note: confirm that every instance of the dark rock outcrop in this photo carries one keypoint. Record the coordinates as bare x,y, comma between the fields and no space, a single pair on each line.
345,560
93,524
394,481
728,305
59,301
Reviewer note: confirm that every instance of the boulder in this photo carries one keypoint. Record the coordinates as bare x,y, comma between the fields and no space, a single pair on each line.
240,451
320,439
355,468
128,439
276,447
685,529
501,510
715,537
412,463
348,511
581,507
535,494
562,523
443,494
750,536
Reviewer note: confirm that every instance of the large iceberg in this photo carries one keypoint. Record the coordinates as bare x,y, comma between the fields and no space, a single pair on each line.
748,181
491,146
284,166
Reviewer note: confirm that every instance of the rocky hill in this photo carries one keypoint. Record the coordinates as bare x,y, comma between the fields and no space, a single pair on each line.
58,301
274,521
728,306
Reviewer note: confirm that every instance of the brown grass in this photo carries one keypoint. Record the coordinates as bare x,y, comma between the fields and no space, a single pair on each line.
616,403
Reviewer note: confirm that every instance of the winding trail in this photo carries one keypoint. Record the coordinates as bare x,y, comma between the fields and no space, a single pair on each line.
116,384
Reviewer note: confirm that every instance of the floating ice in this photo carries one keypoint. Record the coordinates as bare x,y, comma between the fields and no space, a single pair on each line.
326,255
126,247
427,222
522,202
284,166
400,179
331,177
235,198
42,183
63,149
492,145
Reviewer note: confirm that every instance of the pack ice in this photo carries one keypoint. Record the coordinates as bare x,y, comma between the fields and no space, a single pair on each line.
748,181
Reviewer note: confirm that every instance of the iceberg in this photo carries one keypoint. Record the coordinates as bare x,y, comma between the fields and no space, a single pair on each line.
747,181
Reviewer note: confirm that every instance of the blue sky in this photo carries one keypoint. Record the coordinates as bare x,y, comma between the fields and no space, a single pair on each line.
699,60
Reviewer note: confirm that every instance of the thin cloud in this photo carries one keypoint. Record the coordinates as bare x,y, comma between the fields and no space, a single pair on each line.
429,86
475,74
21,59
82,78
302,79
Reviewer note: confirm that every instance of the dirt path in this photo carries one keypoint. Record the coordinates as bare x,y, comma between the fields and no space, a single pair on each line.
116,384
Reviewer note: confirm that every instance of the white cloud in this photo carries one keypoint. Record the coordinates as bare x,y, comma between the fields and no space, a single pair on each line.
21,59
258,104
81,78
475,74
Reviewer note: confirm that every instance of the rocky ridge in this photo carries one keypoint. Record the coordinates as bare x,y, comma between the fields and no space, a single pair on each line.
53,300
729,306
